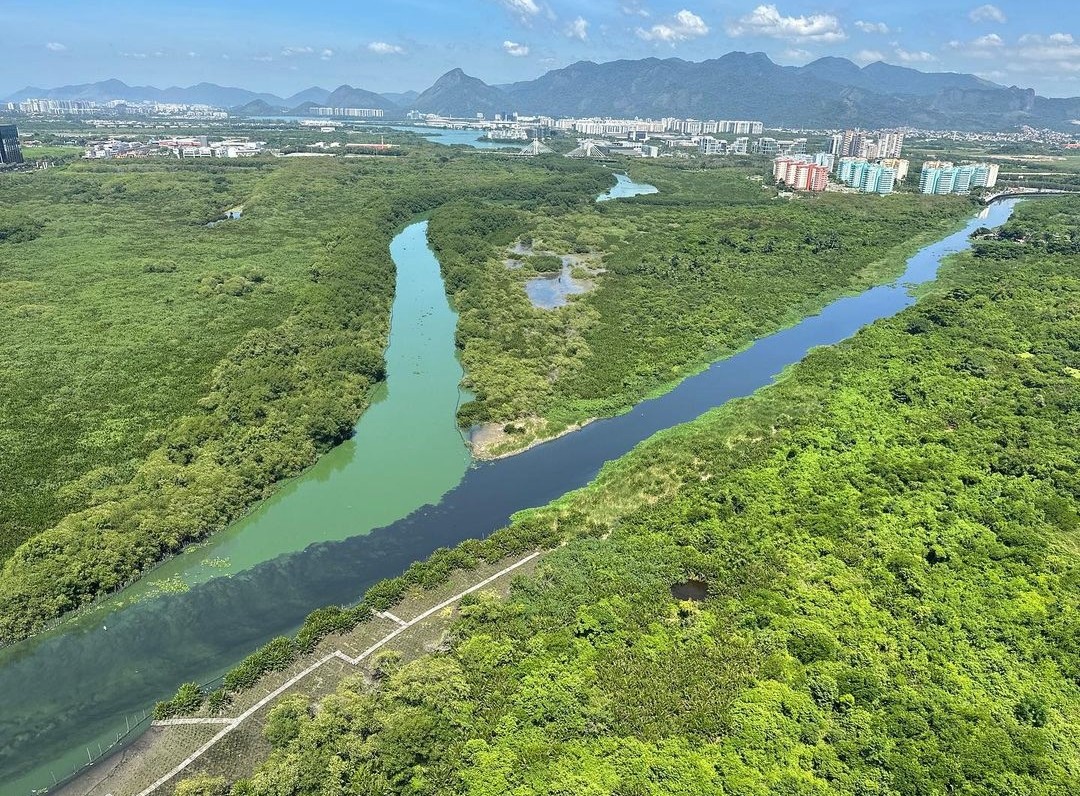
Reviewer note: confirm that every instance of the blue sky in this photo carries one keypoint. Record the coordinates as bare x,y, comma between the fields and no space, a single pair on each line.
395,45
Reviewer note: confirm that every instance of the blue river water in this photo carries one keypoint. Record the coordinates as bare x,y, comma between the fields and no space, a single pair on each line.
470,138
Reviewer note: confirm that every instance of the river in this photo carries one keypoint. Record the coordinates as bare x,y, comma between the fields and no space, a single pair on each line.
69,689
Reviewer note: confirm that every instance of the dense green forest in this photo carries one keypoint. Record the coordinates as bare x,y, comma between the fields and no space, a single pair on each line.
691,274
862,580
160,375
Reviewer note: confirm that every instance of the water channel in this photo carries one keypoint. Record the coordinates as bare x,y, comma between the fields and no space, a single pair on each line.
624,188
477,139
316,542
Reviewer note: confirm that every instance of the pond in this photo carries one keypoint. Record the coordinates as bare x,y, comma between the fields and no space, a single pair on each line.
624,188
551,291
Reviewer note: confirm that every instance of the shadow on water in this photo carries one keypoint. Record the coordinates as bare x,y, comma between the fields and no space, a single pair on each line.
67,687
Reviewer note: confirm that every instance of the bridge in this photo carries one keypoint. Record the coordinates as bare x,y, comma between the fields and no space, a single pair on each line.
1009,193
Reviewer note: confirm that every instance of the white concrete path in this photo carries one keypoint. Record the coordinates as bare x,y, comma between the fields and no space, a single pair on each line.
232,724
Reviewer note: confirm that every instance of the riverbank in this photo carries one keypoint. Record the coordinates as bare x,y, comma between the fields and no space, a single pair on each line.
230,743
231,610
499,439
868,498
405,452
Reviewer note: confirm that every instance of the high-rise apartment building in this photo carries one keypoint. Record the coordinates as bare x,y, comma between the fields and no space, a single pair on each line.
942,177
985,176
868,177
890,143
858,144
847,168
899,165
800,173
10,152
878,179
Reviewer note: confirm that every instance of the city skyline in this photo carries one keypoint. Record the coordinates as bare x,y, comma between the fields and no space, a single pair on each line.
407,44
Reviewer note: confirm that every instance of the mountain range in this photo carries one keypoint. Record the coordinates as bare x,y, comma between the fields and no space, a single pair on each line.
826,93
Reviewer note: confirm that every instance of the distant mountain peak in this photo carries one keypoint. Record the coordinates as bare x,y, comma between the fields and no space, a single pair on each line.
828,92
459,94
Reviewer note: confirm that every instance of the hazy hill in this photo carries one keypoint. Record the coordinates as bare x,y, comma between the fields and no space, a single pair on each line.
825,93
348,97
401,98
459,94
202,93
315,95
829,92
255,108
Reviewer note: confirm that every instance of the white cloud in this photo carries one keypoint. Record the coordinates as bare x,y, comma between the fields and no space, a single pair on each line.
633,8
326,54
684,25
1059,51
578,29
1032,52
262,58
55,46
914,56
385,48
192,54
986,13
766,20
525,9
989,40
988,46
291,51
515,49
871,27
865,57
797,54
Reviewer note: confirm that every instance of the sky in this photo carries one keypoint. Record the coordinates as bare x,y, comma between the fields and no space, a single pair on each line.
397,45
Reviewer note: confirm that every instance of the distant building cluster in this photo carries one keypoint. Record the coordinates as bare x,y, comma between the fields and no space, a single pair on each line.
112,149
872,146
641,128
942,177
10,151
52,107
771,147
607,150
707,145
350,113
47,107
195,147
849,156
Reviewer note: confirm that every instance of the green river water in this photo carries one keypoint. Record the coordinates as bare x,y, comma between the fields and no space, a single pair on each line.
407,450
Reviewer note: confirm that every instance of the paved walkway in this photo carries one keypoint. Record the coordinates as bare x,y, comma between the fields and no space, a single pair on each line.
233,723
